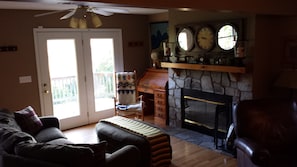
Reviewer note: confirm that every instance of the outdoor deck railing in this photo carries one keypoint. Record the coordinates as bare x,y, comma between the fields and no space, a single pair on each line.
65,89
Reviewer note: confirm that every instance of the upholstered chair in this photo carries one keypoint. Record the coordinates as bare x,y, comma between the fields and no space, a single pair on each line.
266,133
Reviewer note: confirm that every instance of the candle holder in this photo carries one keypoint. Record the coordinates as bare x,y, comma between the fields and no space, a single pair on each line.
240,53
169,51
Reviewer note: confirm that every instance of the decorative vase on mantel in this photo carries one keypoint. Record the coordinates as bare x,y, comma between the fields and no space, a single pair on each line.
239,53
155,59
173,59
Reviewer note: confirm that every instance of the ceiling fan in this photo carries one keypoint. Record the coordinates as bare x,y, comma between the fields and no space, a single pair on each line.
79,14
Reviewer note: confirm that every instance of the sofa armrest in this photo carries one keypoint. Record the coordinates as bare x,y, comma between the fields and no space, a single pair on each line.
126,156
257,153
50,121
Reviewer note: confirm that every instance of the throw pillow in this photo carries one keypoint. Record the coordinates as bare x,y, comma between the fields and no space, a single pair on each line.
28,120
68,155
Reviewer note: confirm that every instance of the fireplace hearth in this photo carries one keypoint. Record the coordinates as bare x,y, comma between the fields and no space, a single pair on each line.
207,113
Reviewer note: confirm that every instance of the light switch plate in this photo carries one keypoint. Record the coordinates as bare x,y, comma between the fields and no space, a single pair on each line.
25,79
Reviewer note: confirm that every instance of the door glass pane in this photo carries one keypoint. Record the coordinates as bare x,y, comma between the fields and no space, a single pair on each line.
102,53
63,77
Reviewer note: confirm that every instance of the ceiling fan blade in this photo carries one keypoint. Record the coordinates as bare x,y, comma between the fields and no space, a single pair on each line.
49,13
68,15
101,12
115,10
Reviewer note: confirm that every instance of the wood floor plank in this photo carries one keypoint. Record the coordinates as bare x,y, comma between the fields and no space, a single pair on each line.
184,154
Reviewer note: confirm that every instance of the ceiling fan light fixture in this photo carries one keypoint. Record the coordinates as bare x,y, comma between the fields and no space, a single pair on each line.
96,20
73,22
82,24
81,12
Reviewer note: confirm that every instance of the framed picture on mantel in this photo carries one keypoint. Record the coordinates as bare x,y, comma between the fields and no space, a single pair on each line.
290,53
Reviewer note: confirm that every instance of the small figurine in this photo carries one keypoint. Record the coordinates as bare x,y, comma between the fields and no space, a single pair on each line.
155,59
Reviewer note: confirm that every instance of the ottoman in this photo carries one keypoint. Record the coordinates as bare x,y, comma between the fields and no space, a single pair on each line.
152,142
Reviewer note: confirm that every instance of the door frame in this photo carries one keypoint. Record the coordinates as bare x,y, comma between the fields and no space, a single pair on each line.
118,66
118,63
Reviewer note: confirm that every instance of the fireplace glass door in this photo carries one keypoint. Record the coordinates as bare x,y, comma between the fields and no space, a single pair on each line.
207,113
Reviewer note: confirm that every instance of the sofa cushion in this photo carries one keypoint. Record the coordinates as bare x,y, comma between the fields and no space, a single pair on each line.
7,119
28,120
99,150
68,155
9,137
48,134
60,141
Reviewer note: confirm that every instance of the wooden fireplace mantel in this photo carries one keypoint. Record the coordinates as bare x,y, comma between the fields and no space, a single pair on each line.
201,67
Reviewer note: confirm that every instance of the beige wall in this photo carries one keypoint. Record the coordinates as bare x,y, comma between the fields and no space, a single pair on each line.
17,29
270,34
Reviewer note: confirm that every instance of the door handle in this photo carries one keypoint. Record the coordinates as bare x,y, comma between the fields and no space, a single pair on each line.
46,91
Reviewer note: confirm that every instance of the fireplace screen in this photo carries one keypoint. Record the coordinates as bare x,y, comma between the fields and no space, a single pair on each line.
206,113
203,113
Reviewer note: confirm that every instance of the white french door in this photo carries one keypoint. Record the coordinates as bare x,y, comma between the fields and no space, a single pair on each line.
75,73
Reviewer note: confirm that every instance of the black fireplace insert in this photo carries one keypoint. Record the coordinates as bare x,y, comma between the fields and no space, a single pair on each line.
207,113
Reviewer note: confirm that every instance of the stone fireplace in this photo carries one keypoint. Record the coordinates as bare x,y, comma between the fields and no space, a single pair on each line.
238,86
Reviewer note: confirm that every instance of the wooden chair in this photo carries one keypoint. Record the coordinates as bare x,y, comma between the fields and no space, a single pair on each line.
127,101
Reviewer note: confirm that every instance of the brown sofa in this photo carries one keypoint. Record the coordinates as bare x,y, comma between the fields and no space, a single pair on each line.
41,143
266,131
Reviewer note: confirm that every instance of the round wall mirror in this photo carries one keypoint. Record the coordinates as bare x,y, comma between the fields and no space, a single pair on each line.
227,37
185,39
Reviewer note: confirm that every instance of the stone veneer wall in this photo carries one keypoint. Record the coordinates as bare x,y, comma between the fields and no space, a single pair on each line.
214,82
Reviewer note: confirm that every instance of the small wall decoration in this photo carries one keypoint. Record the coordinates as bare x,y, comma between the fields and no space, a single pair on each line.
159,34
11,48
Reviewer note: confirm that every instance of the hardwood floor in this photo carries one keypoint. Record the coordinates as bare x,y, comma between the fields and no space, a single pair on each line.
185,154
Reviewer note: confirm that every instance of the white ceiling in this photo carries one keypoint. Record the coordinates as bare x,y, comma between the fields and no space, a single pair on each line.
64,5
